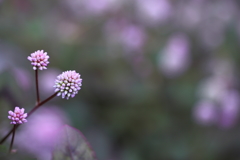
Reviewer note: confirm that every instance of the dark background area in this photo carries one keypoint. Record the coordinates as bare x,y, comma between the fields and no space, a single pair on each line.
160,78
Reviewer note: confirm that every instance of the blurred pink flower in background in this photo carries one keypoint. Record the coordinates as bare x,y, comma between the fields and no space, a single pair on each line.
222,113
205,112
86,8
221,79
219,90
98,6
230,109
38,136
133,37
121,32
175,57
188,15
153,11
212,88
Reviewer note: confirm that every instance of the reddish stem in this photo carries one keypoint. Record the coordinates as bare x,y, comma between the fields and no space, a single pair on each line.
13,135
30,113
37,89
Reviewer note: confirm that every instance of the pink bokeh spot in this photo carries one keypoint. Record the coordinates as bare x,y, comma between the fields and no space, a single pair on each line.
205,112
230,108
131,37
38,137
153,11
175,57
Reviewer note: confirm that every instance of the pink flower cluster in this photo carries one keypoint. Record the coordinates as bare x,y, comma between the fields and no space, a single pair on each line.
39,60
18,116
68,84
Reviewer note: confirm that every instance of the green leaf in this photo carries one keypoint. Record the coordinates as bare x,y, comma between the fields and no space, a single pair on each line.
72,145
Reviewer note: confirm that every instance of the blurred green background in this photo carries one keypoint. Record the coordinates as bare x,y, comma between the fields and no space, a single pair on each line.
148,67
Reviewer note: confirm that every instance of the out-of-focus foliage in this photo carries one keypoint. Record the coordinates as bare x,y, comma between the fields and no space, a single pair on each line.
160,77
71,144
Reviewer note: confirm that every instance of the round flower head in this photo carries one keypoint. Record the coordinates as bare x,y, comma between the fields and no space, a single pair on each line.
68,84
18,116
39,60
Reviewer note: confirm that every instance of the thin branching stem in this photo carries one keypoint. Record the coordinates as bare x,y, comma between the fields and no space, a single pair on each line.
13,135
37,89
41,103
30,113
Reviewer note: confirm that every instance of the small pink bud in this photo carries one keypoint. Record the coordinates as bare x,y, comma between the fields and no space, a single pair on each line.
39,60
18,116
